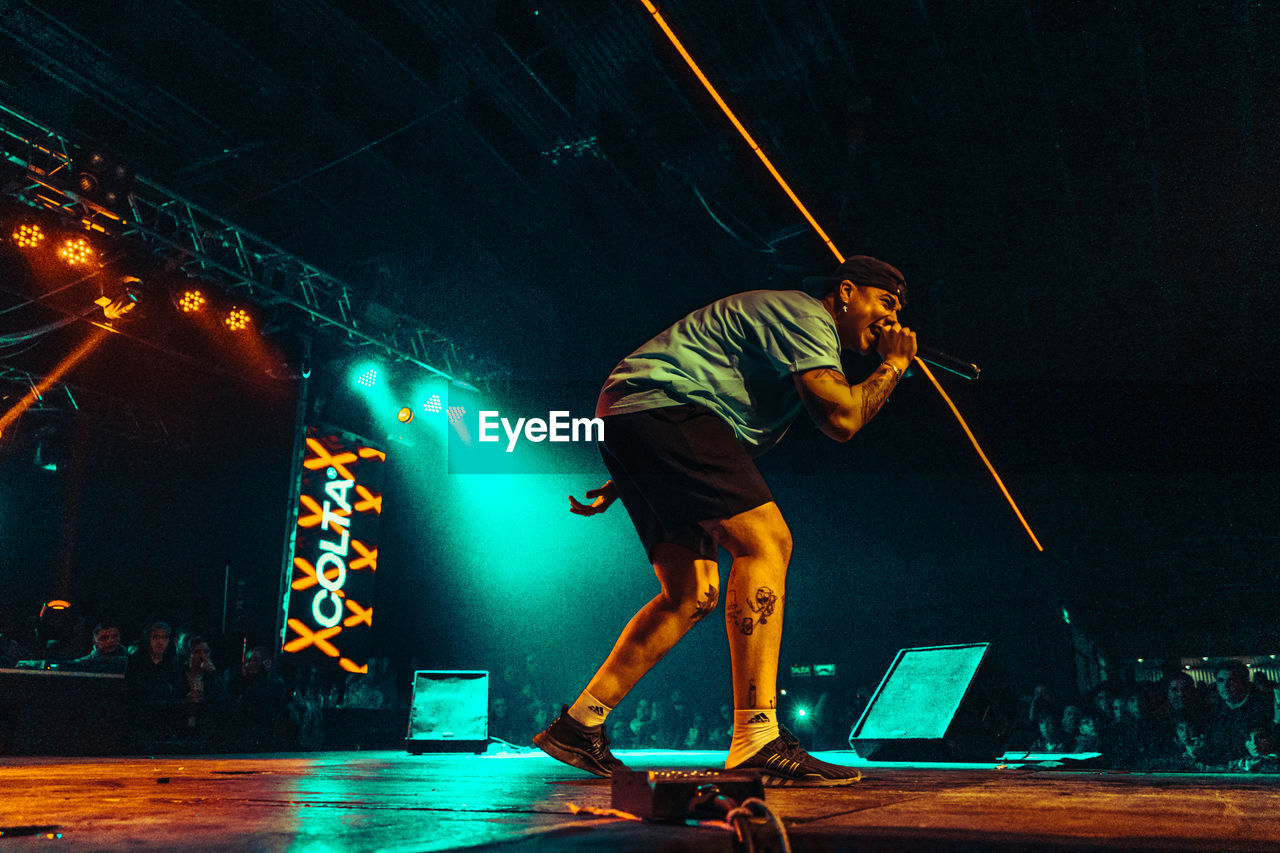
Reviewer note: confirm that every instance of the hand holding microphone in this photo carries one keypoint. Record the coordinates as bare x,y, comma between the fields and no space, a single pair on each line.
896,344
887,342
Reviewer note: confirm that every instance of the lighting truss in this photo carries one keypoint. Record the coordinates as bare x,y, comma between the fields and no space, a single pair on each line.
205,245
130,418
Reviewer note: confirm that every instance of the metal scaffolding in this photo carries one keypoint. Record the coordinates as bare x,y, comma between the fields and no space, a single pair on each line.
186,236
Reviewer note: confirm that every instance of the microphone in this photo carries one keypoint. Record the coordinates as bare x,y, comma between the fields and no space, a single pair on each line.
943,361
949,363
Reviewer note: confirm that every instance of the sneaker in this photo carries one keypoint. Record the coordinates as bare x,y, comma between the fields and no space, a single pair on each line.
587,749
783,763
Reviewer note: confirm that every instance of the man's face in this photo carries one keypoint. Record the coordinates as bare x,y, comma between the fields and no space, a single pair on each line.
1231,686
870,309
1180,692
200,655
158,640
107,641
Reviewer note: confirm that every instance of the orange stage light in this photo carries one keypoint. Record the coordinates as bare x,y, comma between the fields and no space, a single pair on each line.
192,301
76,251
742,130
404,415
76,356
28,236
237,319
786,188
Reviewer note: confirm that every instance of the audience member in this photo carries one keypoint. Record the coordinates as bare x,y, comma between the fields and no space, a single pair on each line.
306,711
202,696
1050,737
1071,722
258,699
1236,713
1088,738
107,654
1262,757
152,681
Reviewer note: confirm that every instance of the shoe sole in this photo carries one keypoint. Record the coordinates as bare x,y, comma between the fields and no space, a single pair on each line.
770,781
544,742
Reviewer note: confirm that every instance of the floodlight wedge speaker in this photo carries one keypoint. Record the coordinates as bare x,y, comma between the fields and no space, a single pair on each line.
935,703
449,711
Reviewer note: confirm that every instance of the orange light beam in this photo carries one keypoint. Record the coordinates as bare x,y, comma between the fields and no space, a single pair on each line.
937,386
764,158
75,357
777,176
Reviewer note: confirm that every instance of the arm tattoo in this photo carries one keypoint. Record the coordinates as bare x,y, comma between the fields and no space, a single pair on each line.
875,390
821,408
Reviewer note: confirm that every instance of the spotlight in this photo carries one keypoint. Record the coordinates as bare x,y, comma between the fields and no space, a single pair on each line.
116,308
28,236
191,301
103,178
368,378
432,405
404,415
76,251
456,413
237,319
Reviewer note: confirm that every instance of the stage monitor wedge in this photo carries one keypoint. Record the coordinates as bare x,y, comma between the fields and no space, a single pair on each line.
935,703
449,711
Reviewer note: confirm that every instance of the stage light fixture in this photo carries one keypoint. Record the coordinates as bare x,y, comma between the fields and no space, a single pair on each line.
103,178
368,378
456,413
116,308
28,236
432,405
191,301
404,415
237,319
76,251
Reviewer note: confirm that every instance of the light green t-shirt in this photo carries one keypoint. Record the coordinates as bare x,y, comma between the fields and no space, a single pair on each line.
736,356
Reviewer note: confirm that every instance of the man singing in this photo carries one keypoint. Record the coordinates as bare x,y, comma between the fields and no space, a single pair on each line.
684,414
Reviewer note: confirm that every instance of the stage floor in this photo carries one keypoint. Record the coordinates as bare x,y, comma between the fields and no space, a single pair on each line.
393,801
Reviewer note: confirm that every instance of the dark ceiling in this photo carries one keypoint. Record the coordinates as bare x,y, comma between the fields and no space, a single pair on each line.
1082,195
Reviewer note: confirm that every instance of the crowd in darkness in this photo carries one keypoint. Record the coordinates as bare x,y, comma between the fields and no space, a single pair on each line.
178,699
1173,725
1230,724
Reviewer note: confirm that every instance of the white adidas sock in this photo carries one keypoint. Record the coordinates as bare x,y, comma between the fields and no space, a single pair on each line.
589,711
752,729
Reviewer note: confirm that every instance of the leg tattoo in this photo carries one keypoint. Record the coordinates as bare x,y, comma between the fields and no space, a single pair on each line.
707,604
763,604
745,623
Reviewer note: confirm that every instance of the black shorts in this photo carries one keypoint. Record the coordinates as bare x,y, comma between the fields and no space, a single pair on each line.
676,466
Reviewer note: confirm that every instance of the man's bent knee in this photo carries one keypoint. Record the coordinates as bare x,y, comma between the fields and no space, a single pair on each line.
706,603
761,532
690,583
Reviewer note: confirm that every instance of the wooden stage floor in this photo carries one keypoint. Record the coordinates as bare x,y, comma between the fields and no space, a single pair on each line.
521,802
